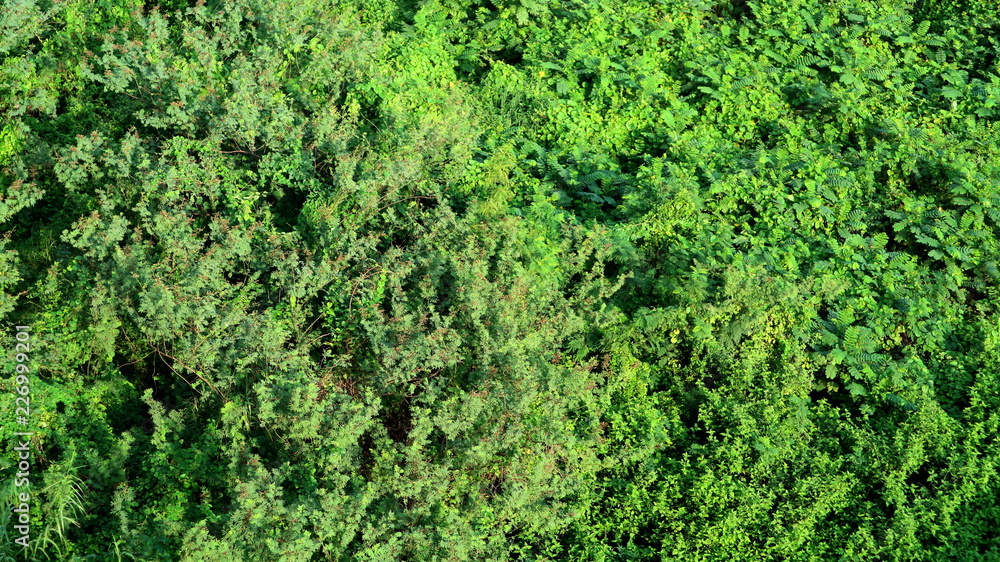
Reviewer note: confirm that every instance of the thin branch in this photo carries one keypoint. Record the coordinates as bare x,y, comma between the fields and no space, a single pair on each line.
206,381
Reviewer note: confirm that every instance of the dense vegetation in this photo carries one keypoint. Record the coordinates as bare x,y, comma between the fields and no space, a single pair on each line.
504,280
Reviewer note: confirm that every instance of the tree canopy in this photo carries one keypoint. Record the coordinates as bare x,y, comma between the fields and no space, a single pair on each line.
503,280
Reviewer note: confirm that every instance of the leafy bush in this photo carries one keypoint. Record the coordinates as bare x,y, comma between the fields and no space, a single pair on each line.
518,280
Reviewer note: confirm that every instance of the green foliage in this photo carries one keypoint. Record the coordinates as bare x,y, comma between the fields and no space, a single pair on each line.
510,280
